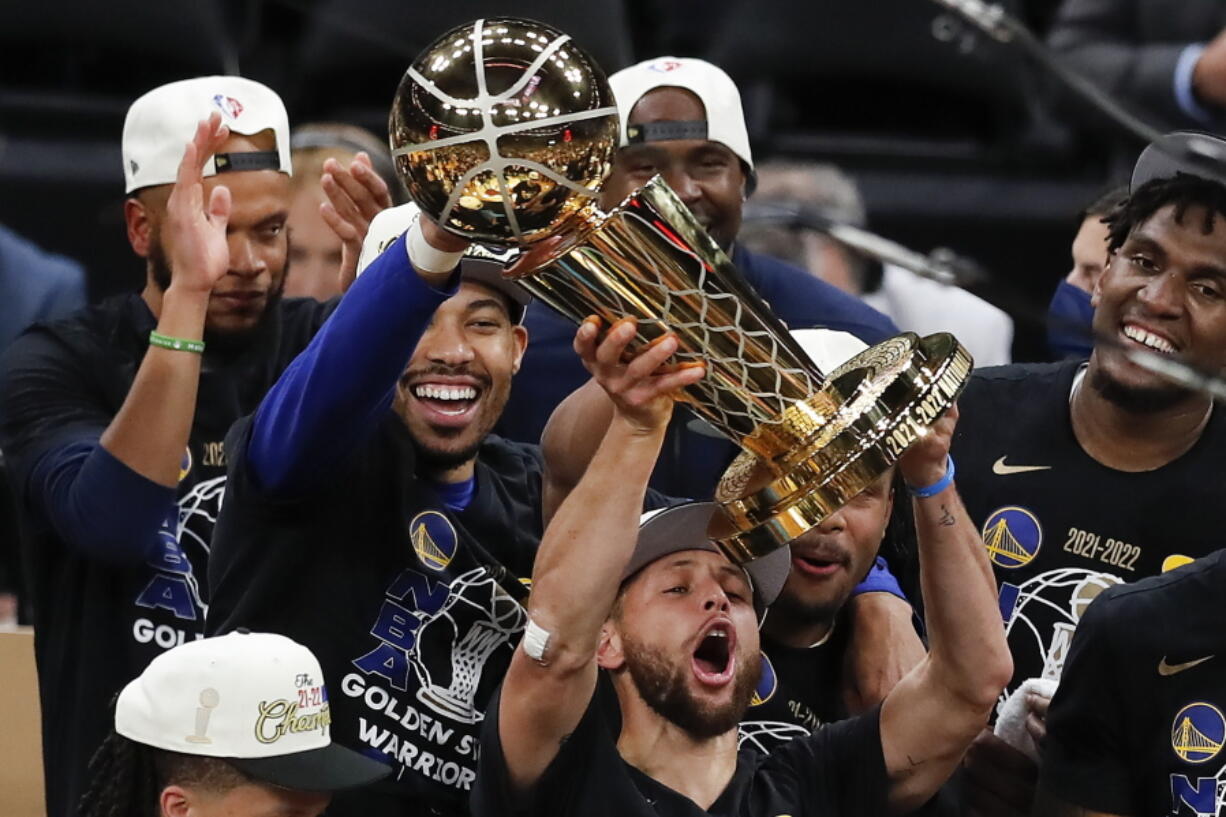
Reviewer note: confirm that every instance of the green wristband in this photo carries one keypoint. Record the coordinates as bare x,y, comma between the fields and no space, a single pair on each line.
176,344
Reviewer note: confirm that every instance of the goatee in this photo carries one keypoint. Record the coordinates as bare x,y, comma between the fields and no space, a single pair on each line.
1135,399
664,689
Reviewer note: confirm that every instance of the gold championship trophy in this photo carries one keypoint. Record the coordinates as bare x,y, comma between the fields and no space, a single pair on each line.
503,129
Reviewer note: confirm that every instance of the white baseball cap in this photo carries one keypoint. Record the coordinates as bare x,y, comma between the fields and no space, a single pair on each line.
255,700
828,348
161,123
721,99
481,263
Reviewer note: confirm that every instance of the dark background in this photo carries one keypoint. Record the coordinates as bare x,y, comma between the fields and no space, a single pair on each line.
955,141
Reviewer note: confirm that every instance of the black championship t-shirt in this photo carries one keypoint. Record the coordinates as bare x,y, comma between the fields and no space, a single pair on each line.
801,688
1138,724
1059,526
398,597
839,770
99,624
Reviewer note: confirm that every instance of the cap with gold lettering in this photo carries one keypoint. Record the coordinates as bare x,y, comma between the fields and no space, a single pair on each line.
256,700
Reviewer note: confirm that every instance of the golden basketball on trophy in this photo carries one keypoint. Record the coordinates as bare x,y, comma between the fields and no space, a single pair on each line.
503,130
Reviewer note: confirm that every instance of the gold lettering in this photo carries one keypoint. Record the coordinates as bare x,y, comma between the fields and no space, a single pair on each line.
280,717
214,454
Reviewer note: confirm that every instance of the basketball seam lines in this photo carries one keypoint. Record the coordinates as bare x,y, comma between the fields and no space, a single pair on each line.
489,133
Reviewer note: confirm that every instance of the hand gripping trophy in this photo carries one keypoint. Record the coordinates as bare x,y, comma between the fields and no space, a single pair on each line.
503,130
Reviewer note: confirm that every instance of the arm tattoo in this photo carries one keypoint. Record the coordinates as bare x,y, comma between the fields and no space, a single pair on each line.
947,518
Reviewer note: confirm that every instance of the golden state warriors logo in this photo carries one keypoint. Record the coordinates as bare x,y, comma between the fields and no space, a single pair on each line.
767,684
1012,536
185,464
434,539
1198,732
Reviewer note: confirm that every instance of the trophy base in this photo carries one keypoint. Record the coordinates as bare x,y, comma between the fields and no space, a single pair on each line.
884,399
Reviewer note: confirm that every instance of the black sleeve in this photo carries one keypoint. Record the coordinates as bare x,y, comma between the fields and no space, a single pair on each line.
553,794
838,770
245,568
46,401
1085,758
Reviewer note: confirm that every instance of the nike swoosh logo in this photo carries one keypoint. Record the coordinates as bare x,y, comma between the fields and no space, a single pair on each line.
1003,470
1173,669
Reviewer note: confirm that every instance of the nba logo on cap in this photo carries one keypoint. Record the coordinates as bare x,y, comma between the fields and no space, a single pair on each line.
664,66
228,105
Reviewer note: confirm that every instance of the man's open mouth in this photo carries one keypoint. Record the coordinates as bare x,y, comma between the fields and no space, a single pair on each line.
446,403
819,560
714,658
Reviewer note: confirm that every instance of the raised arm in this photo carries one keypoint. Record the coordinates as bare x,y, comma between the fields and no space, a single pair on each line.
150,431
569,442
336,391
585,548
106,482
934,713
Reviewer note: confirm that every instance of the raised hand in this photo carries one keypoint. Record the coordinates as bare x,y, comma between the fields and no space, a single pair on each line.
923,463
196,231
356,194
642,387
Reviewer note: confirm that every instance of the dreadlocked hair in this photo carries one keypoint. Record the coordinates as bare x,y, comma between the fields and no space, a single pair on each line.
127,778
123,780
1183,191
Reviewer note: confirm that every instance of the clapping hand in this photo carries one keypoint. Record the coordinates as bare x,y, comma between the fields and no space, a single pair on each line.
199,252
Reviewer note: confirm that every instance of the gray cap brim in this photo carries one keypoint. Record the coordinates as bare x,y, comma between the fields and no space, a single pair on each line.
685,527
1190,152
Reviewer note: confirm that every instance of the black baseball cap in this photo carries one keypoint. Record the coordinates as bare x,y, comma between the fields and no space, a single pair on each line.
1192,152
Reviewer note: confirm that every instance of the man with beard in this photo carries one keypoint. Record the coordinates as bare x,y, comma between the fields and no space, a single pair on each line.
675,625
371,515
1104,472
114,418
682,118
834,644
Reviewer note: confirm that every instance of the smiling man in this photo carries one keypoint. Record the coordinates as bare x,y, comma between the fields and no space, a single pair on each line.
114,419
1105,472
371,515
674,624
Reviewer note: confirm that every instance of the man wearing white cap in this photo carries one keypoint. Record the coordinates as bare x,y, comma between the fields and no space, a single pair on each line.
674,624
234,726
682,118
114,419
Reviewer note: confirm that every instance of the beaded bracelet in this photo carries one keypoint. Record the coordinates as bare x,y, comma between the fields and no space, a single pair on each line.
938,486
176,344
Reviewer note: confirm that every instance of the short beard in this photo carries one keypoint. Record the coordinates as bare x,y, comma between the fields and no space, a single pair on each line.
433,461
664,690
158,263
223,343
1136,400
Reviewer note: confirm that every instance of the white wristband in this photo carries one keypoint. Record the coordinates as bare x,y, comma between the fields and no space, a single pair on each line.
426,258
536,642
